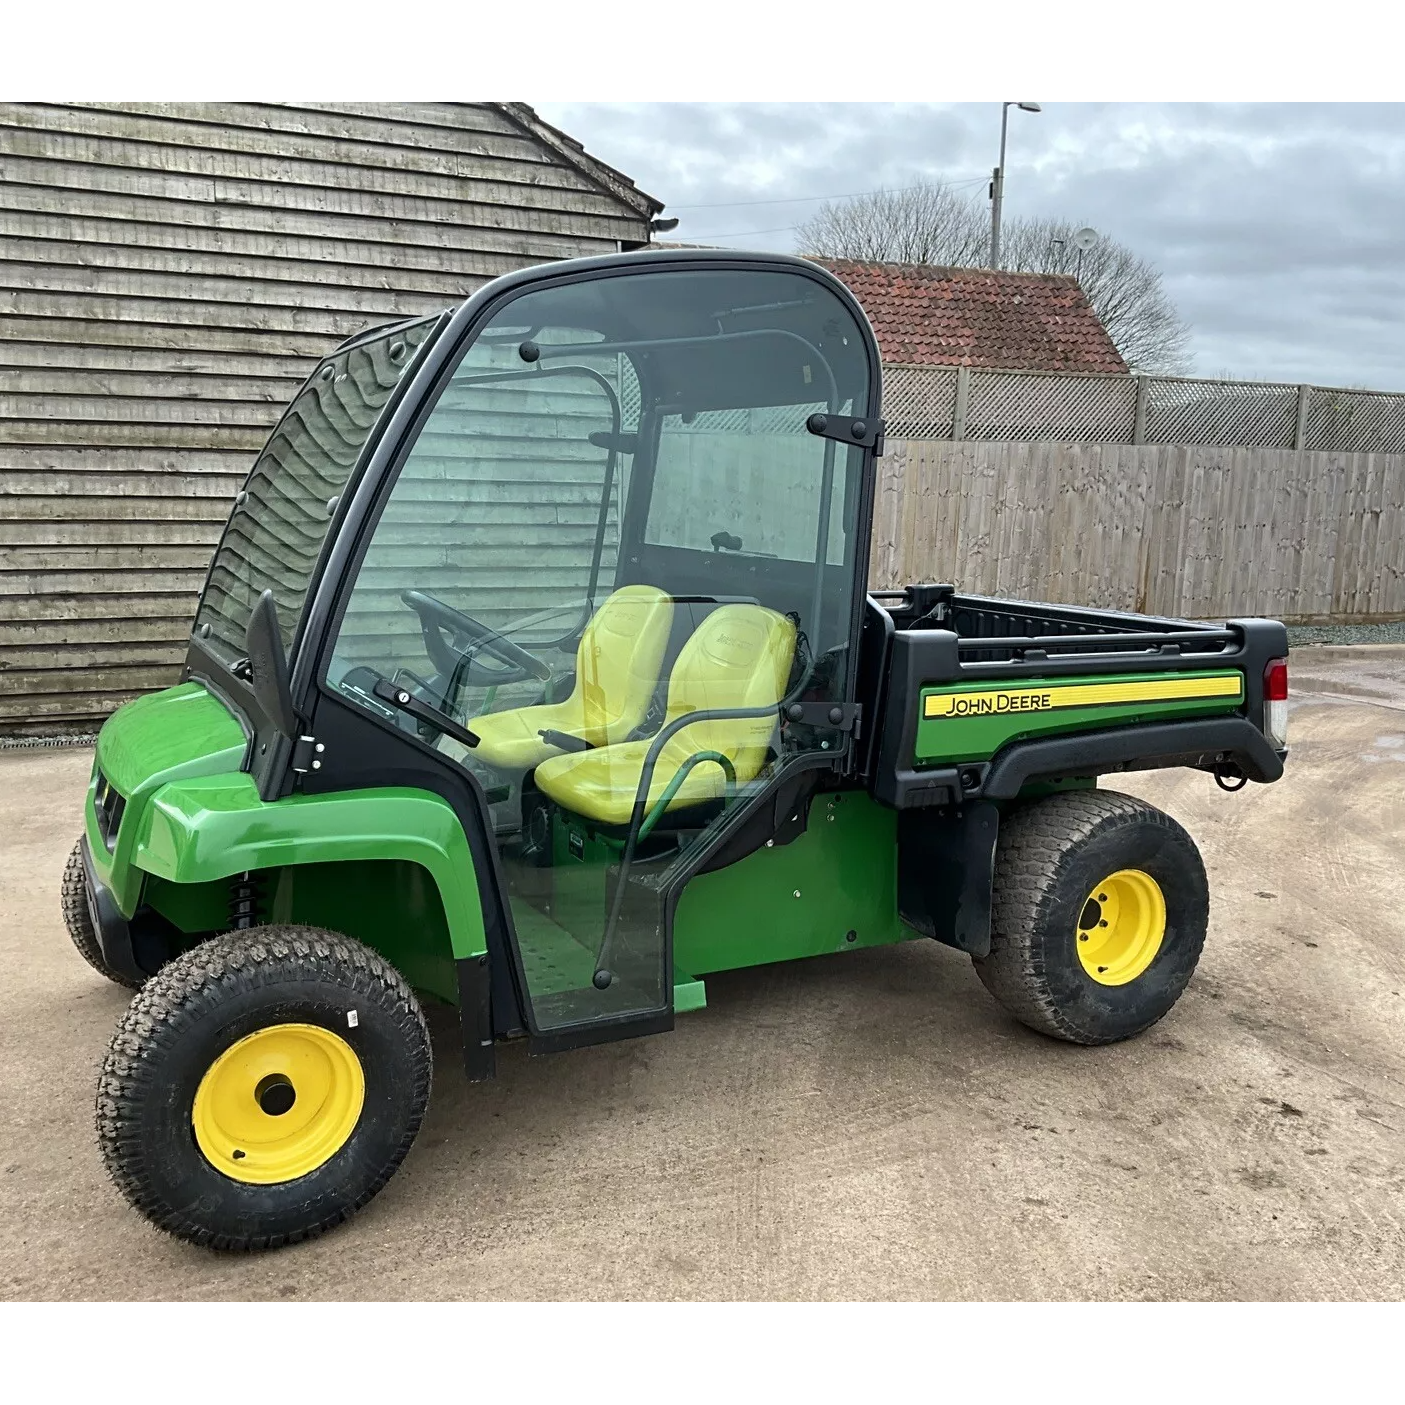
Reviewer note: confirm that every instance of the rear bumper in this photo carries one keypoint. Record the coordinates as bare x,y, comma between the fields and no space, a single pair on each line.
113,931
1206,744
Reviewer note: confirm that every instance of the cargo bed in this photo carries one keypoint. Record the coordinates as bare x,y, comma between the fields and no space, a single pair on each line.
931,639
990,630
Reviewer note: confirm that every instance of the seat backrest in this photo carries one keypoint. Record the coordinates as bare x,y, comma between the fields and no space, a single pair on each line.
619,658
739,656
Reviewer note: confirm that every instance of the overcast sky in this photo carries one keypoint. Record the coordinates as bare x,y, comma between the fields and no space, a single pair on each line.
1280,228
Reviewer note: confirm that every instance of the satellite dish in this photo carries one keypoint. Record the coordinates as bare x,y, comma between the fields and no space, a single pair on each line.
1085,238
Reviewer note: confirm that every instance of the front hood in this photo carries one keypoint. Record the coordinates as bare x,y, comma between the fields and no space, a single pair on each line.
163,735
172,735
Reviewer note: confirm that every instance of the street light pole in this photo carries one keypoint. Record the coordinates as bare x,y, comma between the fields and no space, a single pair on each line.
997,184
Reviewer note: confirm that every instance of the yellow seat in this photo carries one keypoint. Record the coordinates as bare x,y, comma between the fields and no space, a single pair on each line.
739,656
617,669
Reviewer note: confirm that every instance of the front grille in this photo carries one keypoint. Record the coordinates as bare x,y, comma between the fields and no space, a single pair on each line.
109,806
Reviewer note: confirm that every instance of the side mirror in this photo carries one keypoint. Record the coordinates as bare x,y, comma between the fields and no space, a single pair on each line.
268,665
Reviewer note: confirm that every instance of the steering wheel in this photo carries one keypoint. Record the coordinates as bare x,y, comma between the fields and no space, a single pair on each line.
438,620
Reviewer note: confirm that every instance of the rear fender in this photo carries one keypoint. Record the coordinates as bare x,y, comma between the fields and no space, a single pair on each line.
1206,744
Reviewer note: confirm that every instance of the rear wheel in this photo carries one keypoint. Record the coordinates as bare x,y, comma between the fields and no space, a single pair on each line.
73,897
1098,917
263,1087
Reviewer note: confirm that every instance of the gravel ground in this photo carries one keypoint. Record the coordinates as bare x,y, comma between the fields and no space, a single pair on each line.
859,1126
1387,632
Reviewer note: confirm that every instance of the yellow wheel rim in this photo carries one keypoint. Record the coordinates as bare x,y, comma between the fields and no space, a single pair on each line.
1121,927
278,1104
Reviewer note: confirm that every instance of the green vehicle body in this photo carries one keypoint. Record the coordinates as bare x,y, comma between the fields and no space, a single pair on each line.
216,810
392,866
980,735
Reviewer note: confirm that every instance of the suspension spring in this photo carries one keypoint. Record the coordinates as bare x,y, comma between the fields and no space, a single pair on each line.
244,895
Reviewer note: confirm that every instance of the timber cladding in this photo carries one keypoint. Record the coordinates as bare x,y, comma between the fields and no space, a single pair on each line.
169,275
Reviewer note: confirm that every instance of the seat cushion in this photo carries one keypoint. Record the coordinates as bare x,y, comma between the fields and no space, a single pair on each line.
601,785
509,739
617,671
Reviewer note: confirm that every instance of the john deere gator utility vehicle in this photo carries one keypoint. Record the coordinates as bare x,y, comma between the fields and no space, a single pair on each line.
535,674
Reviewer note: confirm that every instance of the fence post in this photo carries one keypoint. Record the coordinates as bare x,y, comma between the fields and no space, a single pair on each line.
1139,419
1300,424
963,394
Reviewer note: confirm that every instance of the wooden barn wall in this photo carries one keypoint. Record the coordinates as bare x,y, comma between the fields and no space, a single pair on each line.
169,274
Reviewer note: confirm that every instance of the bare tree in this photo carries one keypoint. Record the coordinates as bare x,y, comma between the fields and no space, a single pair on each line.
923,224
937,225
1126,291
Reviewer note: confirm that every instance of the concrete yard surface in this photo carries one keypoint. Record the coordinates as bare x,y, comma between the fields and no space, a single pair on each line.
869,1125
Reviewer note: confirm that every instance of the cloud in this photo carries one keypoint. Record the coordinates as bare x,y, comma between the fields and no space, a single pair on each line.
1278,227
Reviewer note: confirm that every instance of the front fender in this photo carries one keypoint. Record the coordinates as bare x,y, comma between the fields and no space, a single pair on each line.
212,827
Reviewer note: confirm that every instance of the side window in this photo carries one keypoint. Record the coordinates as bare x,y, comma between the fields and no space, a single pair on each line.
500,512
757,472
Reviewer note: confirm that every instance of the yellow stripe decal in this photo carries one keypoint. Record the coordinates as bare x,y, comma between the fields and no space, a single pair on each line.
993,702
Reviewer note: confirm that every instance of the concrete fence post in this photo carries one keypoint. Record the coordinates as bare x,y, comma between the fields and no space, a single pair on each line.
1300,423
963,396
1139,418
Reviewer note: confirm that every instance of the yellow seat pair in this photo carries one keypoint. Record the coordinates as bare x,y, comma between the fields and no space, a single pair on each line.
738,657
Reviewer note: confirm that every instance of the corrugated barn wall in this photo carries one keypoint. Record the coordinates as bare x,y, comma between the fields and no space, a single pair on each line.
169,273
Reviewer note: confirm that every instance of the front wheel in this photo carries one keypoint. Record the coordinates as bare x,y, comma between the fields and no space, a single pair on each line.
263,1086
1098,916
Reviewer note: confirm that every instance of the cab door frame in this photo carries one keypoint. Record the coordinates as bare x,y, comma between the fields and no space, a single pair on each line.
364,750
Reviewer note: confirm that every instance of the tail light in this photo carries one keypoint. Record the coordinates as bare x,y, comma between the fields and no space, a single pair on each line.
1276,702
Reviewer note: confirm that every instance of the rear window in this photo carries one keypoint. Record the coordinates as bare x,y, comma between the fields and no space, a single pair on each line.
747,481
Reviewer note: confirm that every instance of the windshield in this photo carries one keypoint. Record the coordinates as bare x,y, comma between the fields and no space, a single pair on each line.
280,518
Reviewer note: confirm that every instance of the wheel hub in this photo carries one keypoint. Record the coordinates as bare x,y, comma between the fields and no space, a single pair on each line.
275,1094
1121,927
278,1104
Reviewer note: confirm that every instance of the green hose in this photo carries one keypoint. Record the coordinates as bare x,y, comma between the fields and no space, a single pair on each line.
679,776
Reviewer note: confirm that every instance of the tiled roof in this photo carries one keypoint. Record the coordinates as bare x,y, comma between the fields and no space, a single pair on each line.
929,316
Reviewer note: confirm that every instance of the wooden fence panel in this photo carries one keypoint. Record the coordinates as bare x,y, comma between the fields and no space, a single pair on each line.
1204,533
